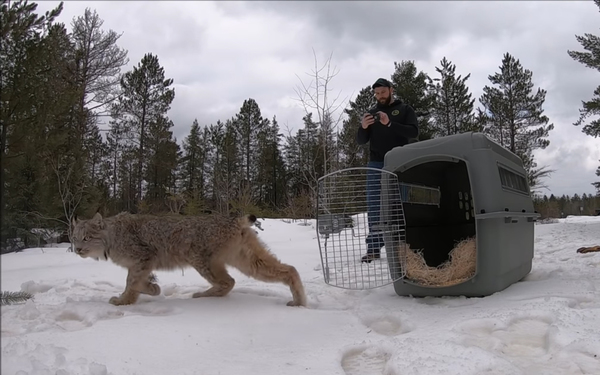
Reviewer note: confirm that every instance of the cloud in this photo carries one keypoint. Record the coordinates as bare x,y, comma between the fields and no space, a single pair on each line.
222,53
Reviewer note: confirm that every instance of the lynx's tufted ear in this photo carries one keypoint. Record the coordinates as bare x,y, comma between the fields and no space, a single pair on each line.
97,221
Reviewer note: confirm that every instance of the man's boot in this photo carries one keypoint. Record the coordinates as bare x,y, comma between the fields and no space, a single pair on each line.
370,257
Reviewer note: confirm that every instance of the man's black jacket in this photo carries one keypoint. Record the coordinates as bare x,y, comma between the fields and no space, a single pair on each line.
402,128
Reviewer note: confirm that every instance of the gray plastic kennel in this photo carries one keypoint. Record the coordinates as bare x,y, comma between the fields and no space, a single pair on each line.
456,190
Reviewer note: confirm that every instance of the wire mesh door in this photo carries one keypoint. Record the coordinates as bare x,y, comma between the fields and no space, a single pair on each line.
360,209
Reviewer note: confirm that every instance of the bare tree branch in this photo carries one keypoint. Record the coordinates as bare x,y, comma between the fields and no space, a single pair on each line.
70,198
314,97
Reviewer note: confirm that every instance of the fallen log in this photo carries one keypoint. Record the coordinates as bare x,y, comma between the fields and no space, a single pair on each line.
590,249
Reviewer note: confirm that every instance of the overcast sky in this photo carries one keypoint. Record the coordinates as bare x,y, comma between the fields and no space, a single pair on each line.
221,53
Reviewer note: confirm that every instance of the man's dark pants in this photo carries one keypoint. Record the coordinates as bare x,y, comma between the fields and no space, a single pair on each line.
375,238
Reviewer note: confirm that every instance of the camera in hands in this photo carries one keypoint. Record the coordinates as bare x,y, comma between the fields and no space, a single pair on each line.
375,115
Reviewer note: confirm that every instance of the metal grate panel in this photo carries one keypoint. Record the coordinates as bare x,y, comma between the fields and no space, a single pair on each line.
343,227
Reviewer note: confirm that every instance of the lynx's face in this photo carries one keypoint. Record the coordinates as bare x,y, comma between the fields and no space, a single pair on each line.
87,239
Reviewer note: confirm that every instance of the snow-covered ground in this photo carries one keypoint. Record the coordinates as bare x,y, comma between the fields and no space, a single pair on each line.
547,324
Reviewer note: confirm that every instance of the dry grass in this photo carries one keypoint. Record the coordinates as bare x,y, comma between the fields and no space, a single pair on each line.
460,267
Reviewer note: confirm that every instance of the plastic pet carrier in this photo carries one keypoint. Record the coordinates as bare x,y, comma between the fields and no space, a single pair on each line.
456,217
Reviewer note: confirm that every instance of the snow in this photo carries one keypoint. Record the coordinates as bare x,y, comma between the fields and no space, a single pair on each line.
549,323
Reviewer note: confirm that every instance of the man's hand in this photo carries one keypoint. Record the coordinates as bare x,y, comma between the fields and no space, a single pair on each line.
383,118
367,120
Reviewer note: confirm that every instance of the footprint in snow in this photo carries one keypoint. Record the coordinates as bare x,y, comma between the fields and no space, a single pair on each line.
530,343
19,356
367,360
386,325
520,337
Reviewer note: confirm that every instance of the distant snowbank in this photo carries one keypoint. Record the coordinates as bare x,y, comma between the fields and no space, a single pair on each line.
580,219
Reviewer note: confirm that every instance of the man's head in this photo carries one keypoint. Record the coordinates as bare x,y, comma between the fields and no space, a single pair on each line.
383,91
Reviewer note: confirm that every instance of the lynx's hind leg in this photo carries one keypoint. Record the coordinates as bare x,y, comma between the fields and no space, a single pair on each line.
256,261
137,282
151,287
216,274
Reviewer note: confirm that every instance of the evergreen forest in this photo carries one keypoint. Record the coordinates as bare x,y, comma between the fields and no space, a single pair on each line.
79,134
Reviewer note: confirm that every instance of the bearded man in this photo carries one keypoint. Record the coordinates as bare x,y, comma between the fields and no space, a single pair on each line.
391,123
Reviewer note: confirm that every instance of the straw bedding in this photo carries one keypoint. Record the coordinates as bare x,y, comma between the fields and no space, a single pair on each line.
460,266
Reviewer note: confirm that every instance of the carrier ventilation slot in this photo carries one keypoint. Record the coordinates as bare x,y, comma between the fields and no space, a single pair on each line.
420,194
513,181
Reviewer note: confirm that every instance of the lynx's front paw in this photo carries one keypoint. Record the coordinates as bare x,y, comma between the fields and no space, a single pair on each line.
118,301
115,301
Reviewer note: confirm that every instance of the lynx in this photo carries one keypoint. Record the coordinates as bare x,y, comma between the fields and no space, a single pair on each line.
144,243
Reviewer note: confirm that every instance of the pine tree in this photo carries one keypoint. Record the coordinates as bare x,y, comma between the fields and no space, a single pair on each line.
280,172
126,177
98,62
292,157
300,193
514,116
270,166
22,80
225,164
353,154
41,150
109,170
146,97
453,106
97,69
58,144
249,123
96,151
328,155
591,59
193,170
310,157
193,164
216,135
163,153
304,160
412,87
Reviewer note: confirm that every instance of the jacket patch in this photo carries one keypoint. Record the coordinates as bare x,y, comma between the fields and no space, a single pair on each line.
395,112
